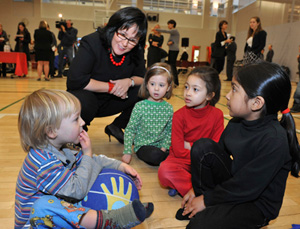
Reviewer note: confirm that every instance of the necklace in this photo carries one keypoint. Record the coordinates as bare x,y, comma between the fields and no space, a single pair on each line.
114,62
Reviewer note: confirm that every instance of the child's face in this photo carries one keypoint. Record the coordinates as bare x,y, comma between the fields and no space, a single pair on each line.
157,87
238,103
195,92
69,130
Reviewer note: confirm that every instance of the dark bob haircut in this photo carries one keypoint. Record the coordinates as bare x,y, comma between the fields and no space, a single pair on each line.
124,19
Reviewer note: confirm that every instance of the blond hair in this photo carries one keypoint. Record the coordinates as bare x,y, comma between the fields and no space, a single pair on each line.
44,110
43,24
157,69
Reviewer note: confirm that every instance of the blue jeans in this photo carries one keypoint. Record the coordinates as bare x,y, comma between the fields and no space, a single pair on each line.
62,51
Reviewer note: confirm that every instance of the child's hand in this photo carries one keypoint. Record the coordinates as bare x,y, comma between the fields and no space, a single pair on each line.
187,145
126,158
132,173
163,149
187,199
197,205
85,143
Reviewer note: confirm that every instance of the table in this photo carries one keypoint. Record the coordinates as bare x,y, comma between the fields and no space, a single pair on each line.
19,58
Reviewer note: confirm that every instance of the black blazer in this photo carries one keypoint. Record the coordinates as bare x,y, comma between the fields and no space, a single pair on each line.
259,42
42,39
218,51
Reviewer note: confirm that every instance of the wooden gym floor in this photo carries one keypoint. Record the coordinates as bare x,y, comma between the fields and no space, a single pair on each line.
12,93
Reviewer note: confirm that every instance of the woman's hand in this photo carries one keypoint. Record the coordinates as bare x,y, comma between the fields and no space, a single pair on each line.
155,43
85,142
125,168
120,87
195,206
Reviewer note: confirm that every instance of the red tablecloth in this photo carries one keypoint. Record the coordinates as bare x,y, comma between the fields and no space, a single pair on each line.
19,58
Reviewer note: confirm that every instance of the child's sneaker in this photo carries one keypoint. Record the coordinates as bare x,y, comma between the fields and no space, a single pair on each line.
172,192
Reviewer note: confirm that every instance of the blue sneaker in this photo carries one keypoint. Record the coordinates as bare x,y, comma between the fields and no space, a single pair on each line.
172,192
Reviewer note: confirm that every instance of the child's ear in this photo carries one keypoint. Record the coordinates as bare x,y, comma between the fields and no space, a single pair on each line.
258,103
51,133
210,96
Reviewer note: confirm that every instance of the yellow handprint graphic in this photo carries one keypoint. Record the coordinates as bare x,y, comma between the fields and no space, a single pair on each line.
117,198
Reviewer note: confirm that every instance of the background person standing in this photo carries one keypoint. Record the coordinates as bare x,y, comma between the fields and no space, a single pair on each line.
173,44
67,36
231,56
270,54
3,40
43,41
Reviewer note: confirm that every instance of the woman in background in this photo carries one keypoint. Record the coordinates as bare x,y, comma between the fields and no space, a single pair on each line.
43,40
155,42
255,42
23,39
3,40
219,52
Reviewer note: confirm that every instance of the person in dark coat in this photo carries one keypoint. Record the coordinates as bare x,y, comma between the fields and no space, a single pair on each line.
109,68
219,52
3,40
231,56
23,39
43,41
156,40
270,54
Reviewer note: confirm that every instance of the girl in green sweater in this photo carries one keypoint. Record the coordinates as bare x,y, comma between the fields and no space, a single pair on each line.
149,127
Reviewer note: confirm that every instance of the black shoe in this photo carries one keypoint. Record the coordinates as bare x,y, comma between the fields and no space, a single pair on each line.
115,132
295,108
227,80
58,76
179,215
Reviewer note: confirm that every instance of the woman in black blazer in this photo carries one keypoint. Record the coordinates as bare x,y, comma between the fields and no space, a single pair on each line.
23,39
42,46
255,42
219,52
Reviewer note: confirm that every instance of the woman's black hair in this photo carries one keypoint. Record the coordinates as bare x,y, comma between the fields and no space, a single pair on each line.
271,82
211,78
222,23
124,19
23,24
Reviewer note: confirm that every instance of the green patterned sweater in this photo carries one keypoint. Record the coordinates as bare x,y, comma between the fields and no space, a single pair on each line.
150,124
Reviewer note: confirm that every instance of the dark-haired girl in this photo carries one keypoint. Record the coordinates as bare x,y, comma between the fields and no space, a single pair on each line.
108,68
255,42
198,118
240,181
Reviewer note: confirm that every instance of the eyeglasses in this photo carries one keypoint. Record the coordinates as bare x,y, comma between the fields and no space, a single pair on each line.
122,36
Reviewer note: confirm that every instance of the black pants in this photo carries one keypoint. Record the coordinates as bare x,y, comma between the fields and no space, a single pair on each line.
229,68
151,155
3,72
104,104
210,166
172,61
219,64
51,64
